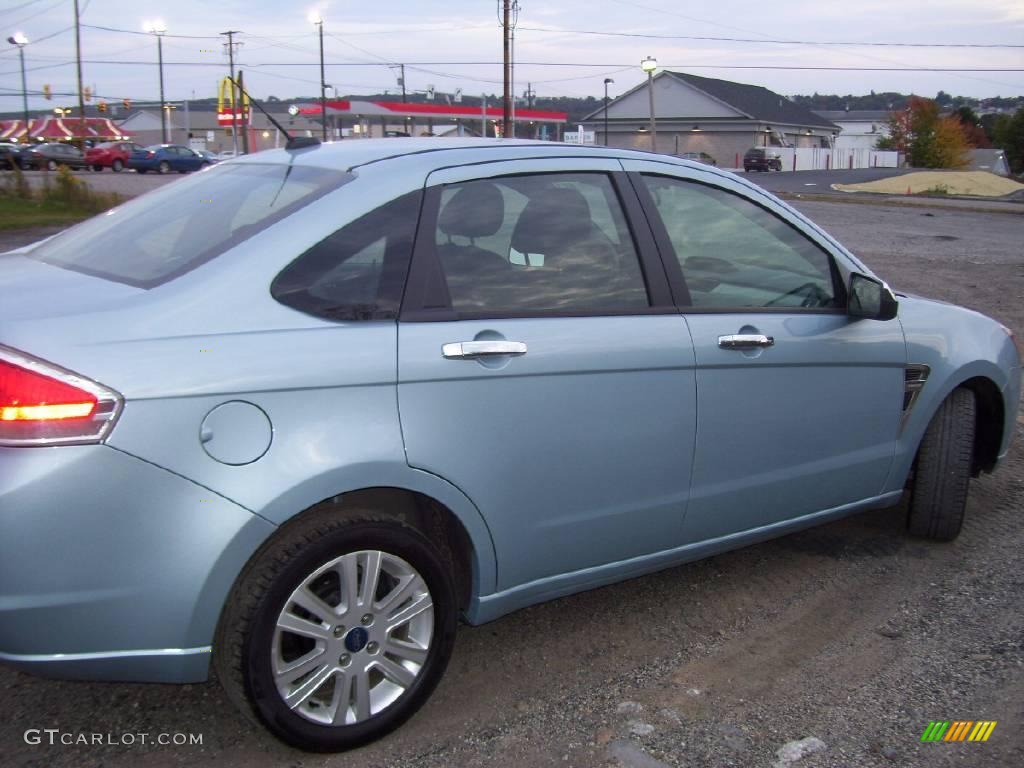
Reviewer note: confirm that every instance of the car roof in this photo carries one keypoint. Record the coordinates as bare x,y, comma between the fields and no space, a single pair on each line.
349,154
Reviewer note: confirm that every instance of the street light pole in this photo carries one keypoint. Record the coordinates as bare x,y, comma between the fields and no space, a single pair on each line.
21,41
319,22
648,65
607,82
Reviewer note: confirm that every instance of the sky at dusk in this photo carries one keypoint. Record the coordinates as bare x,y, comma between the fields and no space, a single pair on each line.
562,48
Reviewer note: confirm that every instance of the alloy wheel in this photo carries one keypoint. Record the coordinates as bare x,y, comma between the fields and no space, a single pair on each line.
352,638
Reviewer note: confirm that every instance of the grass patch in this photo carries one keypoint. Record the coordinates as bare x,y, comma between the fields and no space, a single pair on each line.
65,200
16,213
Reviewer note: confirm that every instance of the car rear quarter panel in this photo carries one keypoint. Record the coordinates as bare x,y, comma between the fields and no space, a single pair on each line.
958,344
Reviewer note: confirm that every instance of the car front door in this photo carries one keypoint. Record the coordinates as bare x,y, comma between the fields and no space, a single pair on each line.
799,405
543,368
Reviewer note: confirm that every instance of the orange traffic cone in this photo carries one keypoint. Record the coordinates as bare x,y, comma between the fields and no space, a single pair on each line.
908,190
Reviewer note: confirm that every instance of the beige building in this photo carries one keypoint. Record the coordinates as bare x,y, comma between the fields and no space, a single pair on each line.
701,114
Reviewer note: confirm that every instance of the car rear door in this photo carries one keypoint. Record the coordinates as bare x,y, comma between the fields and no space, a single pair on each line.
542,366
799,404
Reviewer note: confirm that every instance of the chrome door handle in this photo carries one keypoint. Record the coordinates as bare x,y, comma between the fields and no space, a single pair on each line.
745,341
470,350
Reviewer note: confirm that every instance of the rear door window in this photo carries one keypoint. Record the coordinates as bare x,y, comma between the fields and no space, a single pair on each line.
542,243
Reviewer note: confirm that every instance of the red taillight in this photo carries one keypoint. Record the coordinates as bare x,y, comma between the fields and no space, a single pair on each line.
41,404
151,154
30,396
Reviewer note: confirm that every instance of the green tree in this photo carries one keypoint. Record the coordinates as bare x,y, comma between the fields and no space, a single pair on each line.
976,135
1008,134
967,116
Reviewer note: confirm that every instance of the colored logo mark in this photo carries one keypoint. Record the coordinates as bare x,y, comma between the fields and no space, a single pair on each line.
958,730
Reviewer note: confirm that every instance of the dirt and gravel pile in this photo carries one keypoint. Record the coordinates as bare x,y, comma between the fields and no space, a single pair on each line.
972,183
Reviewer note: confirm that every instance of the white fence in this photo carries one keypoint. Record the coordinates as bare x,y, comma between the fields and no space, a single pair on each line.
820,159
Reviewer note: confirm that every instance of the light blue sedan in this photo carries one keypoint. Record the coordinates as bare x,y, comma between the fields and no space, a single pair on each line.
296,416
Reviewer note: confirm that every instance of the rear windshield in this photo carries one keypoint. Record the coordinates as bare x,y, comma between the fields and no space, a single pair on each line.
172,230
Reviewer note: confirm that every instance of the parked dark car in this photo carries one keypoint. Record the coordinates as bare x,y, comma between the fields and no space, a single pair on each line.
761,159
699,157
209,156
11,156
112,154
164,158
49,156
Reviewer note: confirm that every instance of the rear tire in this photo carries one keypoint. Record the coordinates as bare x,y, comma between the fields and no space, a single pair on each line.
254,651
51,165
98,168
164,167
942,470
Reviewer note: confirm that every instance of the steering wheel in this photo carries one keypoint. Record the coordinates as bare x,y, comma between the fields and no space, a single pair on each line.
813,296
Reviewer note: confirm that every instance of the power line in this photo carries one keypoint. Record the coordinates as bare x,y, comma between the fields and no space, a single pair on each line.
23,19
593,65
40,39
136,32
767,40
23,5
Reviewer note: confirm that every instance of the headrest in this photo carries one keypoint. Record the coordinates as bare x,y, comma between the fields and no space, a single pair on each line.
476,210
555,218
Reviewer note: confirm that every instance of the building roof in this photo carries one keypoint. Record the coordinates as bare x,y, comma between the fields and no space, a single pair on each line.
755,101
419,109
854,115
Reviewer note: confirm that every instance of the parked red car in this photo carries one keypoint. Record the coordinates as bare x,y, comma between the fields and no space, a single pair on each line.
112,154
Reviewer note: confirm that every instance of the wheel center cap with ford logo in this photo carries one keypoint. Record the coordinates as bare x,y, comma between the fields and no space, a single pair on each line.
356,640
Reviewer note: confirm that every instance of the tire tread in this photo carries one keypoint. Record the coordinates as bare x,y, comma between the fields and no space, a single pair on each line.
943,470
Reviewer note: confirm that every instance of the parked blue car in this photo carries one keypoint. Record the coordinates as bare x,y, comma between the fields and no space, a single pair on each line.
295,416
164,158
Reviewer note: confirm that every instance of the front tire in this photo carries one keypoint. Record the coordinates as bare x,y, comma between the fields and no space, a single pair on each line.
942,470
116,166
51,165
164,167
338,630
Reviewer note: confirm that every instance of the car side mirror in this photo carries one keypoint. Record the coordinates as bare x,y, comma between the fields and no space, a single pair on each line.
870,298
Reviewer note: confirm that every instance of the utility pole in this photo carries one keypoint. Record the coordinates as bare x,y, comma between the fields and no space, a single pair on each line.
245,128
323,83
234,91
78,67
401,80
512,68
507,38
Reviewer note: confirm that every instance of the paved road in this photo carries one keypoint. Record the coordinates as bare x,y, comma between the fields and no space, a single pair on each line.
820,181
127,183
851,633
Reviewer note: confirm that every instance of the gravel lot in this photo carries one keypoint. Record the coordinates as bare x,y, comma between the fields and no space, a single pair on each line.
850,633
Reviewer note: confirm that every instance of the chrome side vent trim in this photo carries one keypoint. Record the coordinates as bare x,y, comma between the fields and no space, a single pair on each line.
914,379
